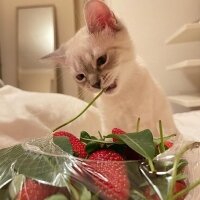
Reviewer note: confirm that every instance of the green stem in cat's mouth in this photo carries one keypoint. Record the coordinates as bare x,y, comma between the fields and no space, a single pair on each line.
76,117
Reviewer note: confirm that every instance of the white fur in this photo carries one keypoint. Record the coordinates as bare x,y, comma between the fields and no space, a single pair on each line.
137,94
141,97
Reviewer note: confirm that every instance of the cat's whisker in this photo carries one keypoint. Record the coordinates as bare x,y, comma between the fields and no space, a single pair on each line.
110,78
81,92
106,78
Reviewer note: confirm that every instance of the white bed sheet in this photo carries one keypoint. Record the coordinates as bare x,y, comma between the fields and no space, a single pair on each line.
188,123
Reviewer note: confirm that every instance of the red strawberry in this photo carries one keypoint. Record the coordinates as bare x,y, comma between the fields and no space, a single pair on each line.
117,131
180,185
148,194
112,179
129,154
38,191
77,146
168,144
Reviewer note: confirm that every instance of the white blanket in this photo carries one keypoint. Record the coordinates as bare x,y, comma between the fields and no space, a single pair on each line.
188,124
25,115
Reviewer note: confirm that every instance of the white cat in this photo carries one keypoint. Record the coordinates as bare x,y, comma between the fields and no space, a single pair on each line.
101,55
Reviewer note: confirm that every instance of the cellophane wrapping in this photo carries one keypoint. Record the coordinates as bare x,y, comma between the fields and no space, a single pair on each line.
39,169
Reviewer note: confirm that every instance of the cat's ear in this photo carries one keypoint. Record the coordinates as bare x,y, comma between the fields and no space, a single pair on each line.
98,16
58,56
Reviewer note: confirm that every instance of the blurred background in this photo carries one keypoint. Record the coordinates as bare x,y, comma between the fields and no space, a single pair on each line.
166,35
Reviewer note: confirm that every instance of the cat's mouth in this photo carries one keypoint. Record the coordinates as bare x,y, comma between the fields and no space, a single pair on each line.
111,87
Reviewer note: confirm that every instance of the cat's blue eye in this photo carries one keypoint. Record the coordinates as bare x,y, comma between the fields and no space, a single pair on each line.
101,60
80,77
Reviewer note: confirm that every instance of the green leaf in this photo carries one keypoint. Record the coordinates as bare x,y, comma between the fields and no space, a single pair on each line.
85,136
79,191
63,143
37,165
57,197
92,146
16,185
74,193
135,195
49,169
157,141
8,156
94,197
141,142
4,194
93,139
181,177
181,165
85,194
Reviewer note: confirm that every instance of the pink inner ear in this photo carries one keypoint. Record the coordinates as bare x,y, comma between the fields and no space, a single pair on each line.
98,16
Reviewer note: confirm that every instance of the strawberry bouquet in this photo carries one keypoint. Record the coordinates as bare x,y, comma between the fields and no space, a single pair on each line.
117,166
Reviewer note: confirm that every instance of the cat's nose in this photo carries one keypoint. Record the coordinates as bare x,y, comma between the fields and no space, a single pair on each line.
97,85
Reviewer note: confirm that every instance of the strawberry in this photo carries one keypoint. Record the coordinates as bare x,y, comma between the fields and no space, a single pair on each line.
110,177
168,144
148,194
129,153
180,185
38,191
117,131
77,146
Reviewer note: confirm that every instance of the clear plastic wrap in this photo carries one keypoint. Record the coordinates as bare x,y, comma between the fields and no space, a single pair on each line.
39,170
119,166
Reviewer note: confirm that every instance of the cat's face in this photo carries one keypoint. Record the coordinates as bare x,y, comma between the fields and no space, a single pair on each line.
97,52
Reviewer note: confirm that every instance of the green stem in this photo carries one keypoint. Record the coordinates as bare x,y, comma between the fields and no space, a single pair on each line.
138,125
162,147
186,190
151,165
100,135
158,140
73,119
174,169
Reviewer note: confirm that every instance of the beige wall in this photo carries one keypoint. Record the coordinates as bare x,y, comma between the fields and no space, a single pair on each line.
150,24
65,30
